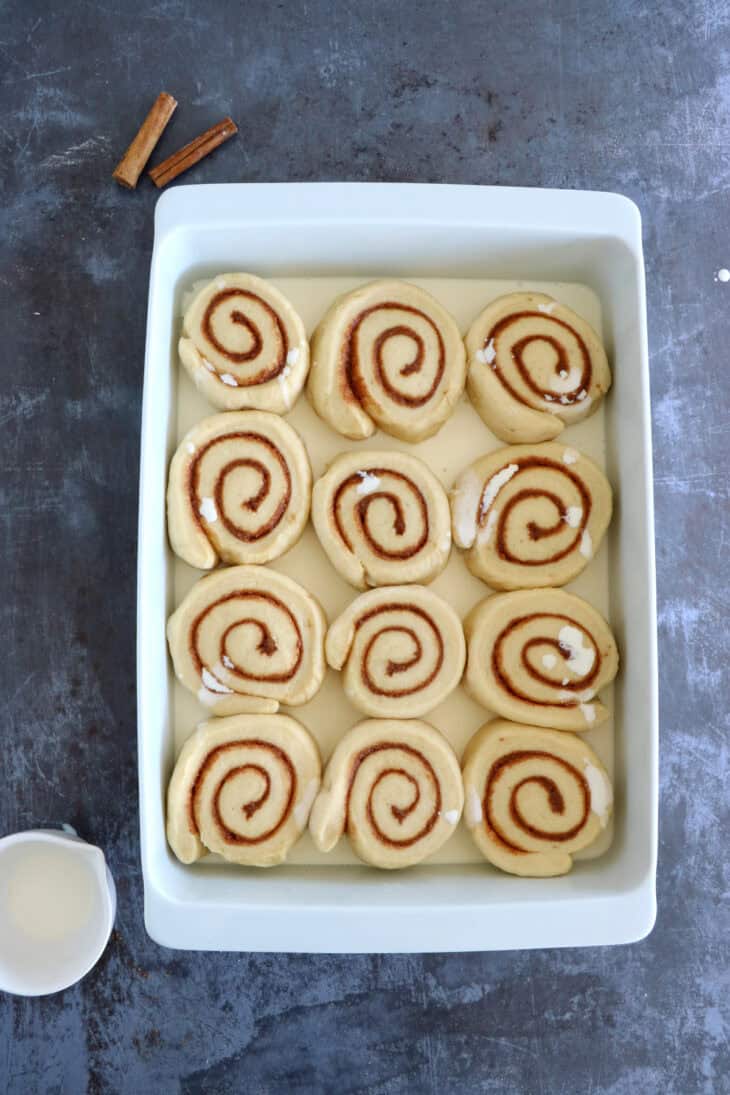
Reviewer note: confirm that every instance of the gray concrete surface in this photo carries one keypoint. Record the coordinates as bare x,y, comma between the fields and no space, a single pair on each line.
625,96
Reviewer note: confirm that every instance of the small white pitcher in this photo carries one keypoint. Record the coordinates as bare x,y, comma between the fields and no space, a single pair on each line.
57,907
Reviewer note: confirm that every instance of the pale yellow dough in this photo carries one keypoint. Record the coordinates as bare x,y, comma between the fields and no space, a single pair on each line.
246,639
540,655
386,355
530,515
394,786
527,788
239,490
534,367
244,345
242,787
382,518
401,651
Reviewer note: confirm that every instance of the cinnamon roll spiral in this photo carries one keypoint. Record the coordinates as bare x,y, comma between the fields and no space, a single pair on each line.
540,655
244,345
242,787
534,797
246,639
534,367
239,490
387,355
382,518
530,516
394,786
401,649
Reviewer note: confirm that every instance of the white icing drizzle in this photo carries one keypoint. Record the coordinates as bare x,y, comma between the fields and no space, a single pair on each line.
229,380
207,510
573,516
368,482
549,661
588,712
452,816
601,793
586,545
570,456
293,356
190,447
487,354
212,684
466,500
227,662
581,657
495,484
548,309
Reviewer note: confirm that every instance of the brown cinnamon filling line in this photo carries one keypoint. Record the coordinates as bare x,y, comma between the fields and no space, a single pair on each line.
267,644
249,809
362,506
257,343
501,672
393,668
518,349
256,500
552,791
538,532
351,369
400,813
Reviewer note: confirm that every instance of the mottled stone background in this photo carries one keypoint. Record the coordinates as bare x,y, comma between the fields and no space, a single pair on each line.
625,96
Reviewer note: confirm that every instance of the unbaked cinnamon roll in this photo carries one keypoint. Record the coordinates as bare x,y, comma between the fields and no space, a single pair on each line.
534,367
244,345
382,518
401,651
239,490
386,356
540,655
242,787
530,516
246,639
533,797
394,787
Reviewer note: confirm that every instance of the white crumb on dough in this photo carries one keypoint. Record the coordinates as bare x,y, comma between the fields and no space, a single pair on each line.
581,657
570,456
212,683
304,806
473,808
368,482
549,661
227,662
229,380
601,793
207,510
548,309
586,545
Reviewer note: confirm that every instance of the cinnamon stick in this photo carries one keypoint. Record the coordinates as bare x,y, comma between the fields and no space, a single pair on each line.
191,153
132,163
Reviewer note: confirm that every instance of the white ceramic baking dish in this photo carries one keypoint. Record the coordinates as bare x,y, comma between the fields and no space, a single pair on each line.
350,230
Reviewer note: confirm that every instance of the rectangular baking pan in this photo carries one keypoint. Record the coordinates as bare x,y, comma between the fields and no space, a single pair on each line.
317,230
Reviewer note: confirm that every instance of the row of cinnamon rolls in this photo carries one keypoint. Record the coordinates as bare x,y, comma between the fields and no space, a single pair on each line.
389,356
527,516
247,786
